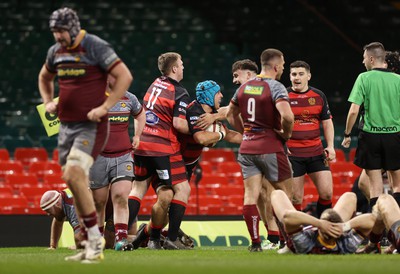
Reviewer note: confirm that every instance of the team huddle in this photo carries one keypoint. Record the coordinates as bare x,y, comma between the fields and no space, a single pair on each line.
278,130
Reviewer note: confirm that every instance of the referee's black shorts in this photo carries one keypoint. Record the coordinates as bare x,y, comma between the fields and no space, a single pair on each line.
378,151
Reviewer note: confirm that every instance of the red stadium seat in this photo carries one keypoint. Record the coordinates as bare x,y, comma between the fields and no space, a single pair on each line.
20,180
10,167
218,155
210,200
33,194
310,189
16,204
55,155
230,190
54,181
236,200
214,179
208,167
4,154
340,156
6,191
44,167
26,155
345,169
339,189
230,169
352,154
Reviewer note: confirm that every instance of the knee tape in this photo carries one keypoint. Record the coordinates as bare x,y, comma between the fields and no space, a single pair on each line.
77,157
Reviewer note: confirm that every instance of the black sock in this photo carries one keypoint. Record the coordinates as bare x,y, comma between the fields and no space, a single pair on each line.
176,212
134,207
372,202
322,205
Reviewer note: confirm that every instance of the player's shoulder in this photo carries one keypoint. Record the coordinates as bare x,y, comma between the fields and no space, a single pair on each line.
317,91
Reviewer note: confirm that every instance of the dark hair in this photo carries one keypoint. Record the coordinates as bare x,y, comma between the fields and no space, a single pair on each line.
377,50
392,59
245,64
268,55
166,61
300,64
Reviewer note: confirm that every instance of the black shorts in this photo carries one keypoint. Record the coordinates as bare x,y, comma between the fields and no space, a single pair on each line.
159,167
303,165
378,151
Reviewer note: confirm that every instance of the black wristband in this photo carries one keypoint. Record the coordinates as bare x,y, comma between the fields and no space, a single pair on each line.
346,135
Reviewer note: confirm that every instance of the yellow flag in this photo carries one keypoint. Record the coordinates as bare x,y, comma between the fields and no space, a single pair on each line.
50,121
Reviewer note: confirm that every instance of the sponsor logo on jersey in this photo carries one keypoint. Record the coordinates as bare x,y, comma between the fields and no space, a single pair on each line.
253,90
123,104
151,118
71,72
311,101
183,104
118,119
85,142
384,129
128,167
294,102
194,118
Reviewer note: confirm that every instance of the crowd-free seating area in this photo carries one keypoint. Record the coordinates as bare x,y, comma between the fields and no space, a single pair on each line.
31,172
25,177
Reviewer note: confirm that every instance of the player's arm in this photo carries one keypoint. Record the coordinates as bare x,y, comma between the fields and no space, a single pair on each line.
123,79
55,232
233,136
181,125
206,138
350,121
46,89
206,119
287,119
139,122
329,133
234,118
362,223
294,218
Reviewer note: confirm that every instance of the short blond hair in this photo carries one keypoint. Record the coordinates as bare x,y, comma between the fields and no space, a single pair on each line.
166,61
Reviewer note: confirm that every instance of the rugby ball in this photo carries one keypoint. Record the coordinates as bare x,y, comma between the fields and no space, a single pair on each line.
214,127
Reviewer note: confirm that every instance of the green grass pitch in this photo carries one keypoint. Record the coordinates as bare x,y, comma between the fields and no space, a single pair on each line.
203,260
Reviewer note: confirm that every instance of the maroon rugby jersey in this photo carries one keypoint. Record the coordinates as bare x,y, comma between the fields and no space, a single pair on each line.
82,75
119,141
256,100
309,109
164,100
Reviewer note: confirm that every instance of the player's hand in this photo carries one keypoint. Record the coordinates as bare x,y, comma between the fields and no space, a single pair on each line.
51,107
95,114
346,142
330,153
334,230
205,120
135,142
284,135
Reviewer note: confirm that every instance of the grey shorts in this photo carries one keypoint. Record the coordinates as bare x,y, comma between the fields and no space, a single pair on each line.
107,170
275,166
88,137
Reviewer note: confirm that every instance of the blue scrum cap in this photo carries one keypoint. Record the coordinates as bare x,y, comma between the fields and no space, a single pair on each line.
205,92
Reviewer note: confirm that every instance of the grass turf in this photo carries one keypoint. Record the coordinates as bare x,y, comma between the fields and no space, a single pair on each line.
38,260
